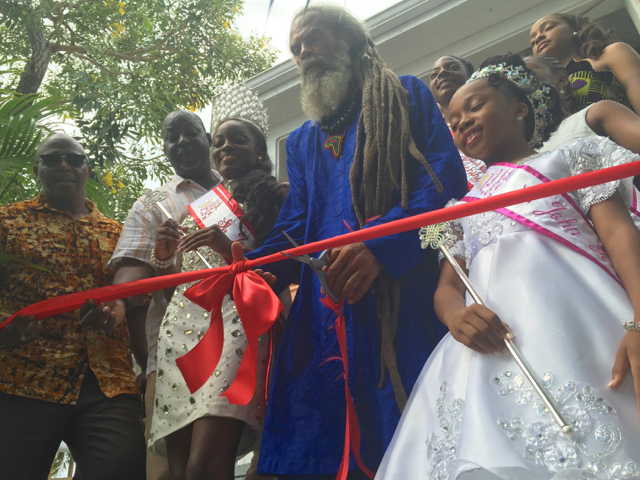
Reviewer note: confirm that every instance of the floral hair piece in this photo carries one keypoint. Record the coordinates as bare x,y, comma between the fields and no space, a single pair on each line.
538,94
239,102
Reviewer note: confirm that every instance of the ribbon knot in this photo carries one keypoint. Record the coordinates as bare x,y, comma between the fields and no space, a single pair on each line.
335,306
258,308
238,267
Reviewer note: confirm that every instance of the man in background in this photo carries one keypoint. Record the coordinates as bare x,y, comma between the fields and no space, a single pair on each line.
186,145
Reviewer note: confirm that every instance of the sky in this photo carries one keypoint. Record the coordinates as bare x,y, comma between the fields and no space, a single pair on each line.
279,21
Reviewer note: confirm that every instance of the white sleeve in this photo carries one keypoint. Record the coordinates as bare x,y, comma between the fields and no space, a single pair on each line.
594,153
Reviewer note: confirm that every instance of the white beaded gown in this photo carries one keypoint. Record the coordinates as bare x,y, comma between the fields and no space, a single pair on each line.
475,417
184,324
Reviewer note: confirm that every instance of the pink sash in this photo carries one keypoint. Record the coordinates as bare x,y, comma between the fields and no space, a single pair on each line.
557,217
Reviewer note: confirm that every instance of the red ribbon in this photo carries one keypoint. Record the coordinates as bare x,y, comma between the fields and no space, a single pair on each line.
73,301
258,308
352,429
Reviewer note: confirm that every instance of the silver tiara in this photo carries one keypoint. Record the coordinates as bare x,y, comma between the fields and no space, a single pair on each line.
238,102
538,94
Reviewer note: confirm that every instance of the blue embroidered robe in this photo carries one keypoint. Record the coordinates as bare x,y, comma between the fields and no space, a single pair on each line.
305,422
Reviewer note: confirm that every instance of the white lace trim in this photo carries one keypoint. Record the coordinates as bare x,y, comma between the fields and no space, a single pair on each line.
594,153
588,449
483,229
443,445
585,455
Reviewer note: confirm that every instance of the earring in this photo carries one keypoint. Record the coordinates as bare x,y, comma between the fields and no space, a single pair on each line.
519,119
562,92
575,34
259,158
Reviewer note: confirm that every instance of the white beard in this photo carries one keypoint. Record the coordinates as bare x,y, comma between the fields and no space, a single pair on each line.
322,93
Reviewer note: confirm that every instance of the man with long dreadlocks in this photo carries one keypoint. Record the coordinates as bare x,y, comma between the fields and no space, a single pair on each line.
376,150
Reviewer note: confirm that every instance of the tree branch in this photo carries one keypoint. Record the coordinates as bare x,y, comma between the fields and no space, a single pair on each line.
132,56
68,48
98,64
58,25
36,67
142,159
135,58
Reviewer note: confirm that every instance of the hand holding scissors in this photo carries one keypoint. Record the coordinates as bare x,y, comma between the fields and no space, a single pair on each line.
317,265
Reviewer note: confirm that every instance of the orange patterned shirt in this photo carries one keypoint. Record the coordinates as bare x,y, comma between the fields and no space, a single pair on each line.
76,252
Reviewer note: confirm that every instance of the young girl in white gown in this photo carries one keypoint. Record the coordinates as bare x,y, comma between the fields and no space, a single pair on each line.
563,274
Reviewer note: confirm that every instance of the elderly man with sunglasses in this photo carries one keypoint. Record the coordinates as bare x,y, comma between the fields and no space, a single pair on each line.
69,377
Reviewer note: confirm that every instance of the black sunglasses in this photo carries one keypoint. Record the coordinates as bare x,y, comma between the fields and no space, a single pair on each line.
53,161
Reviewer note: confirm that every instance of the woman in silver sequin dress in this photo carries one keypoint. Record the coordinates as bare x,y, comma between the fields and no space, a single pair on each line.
203,431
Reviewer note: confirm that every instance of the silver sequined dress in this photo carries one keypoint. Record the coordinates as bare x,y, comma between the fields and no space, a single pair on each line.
183,325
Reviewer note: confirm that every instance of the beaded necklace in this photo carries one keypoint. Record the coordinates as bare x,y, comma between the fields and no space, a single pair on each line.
530,157
336,124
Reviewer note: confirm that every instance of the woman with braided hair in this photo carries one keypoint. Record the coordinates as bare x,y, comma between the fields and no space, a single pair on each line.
564,273
598,68
203,431
375,150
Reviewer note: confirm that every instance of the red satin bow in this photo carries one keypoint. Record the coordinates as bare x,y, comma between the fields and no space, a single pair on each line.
352,429
258,308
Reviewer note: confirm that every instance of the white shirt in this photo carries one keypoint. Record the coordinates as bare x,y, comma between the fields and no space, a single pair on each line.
138,239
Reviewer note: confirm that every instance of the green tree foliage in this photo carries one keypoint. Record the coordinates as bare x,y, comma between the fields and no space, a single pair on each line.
121,66
25,120
21,130
23,124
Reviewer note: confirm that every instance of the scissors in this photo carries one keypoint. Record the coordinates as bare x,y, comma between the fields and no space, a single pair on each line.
316,264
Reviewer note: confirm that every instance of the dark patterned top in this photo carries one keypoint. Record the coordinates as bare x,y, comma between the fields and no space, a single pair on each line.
590,86
76,252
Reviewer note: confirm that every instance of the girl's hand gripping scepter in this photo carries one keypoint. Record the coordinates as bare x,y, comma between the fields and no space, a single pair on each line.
432,235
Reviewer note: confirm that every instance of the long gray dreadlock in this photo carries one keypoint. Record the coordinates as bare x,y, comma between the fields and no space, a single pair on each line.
385,160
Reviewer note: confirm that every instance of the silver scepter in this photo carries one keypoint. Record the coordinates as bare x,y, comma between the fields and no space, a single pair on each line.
433,236
153,199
